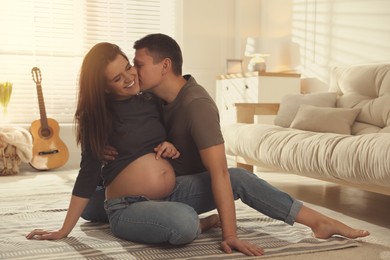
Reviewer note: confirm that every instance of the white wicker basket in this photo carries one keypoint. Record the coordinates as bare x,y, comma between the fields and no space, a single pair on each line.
9,160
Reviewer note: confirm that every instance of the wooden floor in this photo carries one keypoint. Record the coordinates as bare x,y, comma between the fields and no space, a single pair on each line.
355,207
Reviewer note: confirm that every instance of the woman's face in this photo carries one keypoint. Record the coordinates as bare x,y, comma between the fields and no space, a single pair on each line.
122,78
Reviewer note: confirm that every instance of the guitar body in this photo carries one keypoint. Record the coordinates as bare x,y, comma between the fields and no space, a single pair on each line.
49,151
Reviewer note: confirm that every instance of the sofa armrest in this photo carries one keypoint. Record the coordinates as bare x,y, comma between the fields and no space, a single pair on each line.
247,111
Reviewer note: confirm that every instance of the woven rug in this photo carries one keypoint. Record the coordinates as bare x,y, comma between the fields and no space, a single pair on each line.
40,200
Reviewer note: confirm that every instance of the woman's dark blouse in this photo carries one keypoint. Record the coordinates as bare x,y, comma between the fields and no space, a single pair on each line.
137,129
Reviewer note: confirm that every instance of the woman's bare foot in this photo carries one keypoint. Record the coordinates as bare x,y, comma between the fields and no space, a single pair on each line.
210,222
325,227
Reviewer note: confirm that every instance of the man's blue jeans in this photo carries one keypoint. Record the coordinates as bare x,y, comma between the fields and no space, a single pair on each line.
174,221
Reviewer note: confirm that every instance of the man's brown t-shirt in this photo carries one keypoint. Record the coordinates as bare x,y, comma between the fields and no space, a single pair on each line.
192,124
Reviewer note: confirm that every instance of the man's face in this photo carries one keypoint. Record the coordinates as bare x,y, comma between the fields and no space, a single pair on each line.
149,73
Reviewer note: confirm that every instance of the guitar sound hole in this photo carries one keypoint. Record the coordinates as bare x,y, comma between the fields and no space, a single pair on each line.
45,133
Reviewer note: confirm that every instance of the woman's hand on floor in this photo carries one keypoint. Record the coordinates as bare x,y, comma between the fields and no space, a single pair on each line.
41,234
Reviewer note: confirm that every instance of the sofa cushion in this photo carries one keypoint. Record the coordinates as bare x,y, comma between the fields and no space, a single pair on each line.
325,119
366,87
362,159
289,105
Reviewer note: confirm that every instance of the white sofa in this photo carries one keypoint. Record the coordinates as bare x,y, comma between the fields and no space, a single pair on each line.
341,136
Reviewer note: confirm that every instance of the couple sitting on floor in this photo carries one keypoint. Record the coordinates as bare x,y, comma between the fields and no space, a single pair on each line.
169,162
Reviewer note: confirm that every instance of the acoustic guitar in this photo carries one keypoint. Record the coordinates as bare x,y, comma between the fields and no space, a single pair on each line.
49,151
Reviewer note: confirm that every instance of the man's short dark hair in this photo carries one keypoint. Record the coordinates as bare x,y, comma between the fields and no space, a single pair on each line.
161,46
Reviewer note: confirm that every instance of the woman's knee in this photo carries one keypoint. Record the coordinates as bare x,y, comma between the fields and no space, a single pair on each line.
185,225
157,222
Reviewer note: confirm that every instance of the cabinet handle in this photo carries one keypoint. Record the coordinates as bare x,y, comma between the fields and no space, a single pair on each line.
227,87
246,86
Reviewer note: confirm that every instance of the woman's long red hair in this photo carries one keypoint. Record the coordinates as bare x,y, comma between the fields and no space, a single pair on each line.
93,116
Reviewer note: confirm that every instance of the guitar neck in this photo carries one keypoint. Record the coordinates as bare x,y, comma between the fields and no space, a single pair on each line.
42,110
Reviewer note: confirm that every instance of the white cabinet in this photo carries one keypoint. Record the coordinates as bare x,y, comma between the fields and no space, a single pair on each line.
266,87
232,90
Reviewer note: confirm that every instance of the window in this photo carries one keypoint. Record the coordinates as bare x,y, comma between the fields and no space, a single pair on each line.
54,35
342,32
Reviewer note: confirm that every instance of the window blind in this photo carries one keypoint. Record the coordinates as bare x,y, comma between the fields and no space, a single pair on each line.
342,32
54,35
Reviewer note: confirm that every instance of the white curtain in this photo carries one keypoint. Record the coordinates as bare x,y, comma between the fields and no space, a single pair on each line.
54,35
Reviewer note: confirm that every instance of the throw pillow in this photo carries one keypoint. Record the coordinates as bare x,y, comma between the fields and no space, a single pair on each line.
289,105
325,119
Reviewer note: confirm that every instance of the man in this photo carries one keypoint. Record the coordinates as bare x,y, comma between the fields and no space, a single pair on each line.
203,180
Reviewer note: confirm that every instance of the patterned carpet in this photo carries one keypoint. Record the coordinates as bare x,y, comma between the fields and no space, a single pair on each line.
39,200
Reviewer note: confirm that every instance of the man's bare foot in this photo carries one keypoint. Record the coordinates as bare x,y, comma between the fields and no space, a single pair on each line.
325,227
210,222
332,227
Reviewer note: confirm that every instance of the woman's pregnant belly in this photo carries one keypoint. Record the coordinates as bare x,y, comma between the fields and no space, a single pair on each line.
146,176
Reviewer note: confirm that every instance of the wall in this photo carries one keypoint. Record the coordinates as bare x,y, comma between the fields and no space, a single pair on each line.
207,39
209,36
67,134
330,33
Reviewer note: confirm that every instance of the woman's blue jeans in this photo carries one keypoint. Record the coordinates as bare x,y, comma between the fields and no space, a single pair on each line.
175,219
141,220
